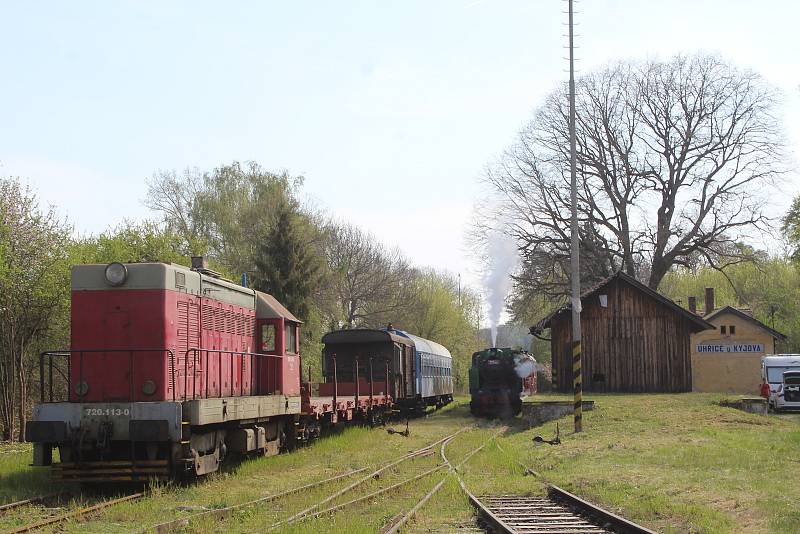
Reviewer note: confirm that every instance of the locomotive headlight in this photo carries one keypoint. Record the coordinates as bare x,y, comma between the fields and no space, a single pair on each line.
81,388
116,274
149,387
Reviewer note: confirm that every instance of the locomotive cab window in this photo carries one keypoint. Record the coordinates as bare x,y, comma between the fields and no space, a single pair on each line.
290,338
267,337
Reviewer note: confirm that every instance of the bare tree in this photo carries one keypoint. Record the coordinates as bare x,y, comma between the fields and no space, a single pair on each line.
673,158
176,198
371,282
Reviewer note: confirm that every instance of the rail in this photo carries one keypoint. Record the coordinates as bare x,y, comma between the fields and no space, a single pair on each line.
54,520
510,514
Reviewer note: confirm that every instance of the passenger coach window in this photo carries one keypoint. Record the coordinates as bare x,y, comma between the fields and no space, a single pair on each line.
267,337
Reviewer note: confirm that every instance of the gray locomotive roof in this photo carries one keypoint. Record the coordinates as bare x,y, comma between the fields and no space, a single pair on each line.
363,335
140,276
91,277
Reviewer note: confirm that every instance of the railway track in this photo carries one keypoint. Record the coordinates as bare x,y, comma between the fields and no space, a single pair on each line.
394,526
79,512
315,510
559,512
31,500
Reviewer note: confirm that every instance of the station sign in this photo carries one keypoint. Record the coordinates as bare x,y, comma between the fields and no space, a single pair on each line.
745,347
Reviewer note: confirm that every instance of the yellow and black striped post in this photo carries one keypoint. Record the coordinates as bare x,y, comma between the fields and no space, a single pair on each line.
577,385
575,272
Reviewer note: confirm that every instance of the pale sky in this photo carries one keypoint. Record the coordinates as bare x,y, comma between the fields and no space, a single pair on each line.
391,110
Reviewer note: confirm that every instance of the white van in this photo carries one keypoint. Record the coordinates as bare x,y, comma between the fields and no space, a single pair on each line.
781,372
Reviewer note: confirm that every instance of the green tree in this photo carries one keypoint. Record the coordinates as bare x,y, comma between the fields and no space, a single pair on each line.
437,313
286,267
146,241
223,213
790,225
33,275
769,287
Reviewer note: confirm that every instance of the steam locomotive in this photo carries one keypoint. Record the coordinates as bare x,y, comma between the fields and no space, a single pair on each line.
498,378
172,368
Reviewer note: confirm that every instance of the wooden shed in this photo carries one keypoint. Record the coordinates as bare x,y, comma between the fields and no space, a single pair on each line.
633,338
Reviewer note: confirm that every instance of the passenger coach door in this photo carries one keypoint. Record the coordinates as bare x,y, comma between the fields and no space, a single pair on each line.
398,372
409,370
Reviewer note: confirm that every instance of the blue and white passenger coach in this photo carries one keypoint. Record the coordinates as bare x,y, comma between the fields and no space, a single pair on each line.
421,370
434,371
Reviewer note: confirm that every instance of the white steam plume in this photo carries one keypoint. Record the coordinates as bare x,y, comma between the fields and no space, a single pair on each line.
502,261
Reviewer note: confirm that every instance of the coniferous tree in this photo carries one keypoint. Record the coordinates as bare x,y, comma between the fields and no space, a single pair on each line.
286,267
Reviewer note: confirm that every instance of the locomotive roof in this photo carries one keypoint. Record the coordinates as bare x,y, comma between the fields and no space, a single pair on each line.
140,276
268,306
363,335
174,277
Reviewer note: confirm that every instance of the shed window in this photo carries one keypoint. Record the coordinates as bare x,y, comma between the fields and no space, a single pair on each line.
732,329
722,329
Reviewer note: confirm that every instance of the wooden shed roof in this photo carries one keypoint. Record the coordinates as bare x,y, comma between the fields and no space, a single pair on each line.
698,322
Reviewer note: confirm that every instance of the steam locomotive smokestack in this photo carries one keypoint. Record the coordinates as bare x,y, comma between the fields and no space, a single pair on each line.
502,261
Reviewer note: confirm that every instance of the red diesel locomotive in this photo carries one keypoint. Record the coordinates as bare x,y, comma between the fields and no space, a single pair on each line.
172,368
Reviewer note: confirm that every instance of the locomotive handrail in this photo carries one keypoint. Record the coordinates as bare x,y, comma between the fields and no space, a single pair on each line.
256,357
47,393
68,352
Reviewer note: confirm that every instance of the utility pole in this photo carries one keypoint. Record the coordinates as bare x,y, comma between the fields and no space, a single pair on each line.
575,277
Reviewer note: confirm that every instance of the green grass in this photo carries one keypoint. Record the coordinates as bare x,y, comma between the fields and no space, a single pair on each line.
17,480
674,463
